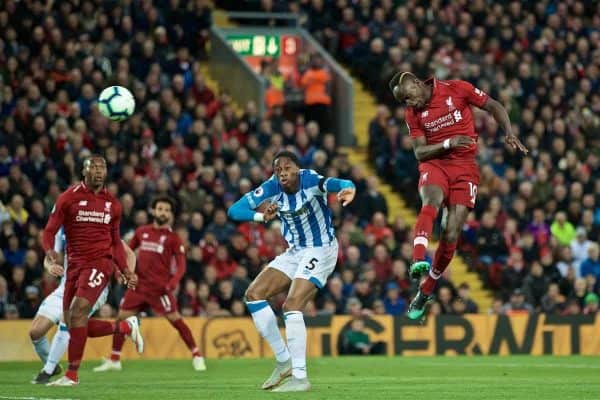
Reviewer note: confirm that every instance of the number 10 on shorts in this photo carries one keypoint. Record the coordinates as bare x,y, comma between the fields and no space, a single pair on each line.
473,192
95,278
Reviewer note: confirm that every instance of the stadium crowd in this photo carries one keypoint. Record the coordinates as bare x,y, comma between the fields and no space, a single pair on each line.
534,233
187,141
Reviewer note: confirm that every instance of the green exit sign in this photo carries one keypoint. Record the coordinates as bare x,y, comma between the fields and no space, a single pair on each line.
255,45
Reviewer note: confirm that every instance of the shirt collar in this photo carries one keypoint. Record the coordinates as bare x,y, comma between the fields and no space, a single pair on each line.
88,190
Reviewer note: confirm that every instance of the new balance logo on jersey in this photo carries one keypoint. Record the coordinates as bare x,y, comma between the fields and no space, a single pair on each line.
83,203
479,92
424,177
450,104
424,114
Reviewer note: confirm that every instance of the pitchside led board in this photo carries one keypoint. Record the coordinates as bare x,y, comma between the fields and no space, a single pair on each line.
254,48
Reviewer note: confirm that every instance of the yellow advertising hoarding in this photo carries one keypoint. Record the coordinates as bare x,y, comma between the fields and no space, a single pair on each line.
444,335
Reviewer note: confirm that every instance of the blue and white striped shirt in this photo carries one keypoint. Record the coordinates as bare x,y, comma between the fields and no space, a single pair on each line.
306,218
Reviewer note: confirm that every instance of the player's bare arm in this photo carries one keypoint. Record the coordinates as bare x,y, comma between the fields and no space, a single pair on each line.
424,151
501,116
131,259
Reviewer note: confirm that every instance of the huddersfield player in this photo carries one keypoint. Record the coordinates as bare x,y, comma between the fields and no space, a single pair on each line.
299,198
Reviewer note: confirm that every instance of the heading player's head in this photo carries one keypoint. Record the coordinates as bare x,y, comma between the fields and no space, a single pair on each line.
286,167
94,171
410,90
163,208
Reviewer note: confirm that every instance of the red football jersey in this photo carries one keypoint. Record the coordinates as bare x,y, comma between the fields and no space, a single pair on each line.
448,114
91,225
158,247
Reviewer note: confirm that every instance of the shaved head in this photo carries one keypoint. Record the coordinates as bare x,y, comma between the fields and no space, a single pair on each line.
410,90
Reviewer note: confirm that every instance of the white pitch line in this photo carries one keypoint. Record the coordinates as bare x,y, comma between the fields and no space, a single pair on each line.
31,398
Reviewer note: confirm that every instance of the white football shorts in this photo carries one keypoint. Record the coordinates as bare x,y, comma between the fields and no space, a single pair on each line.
52,306
314,264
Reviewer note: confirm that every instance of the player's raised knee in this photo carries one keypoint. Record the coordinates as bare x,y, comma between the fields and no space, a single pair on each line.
35,333
292,303
451,236
253,294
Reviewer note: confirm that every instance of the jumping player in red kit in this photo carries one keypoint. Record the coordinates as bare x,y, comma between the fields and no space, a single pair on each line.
158,248
440,122
90,216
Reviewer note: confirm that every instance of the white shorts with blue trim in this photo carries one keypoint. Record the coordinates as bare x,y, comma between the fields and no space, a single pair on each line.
52,306
314,264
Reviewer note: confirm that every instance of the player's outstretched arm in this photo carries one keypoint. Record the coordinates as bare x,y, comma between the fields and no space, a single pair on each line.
241,210
501,116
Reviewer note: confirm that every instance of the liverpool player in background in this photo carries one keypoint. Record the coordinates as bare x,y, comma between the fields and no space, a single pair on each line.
51,313
158,247
90,217
440,122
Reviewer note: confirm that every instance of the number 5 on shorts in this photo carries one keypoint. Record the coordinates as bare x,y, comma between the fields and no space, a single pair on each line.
311,264
95,278
473,192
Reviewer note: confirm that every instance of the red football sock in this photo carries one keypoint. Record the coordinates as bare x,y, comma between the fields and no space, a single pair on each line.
97,328
122,329
118,340
76,347
186,335
423,229
442,258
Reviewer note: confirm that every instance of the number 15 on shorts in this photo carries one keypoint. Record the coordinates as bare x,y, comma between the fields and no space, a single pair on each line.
95,278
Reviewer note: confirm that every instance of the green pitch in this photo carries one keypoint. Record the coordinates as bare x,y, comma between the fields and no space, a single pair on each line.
364,378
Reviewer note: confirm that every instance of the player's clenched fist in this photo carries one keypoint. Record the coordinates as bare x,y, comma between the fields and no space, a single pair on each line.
461,141
270,212
345,196
53,268
130,279
51,256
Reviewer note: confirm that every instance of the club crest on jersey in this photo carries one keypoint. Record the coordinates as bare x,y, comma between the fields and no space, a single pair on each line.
83,203
450,104
145,236
107,206
258,192
162,239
